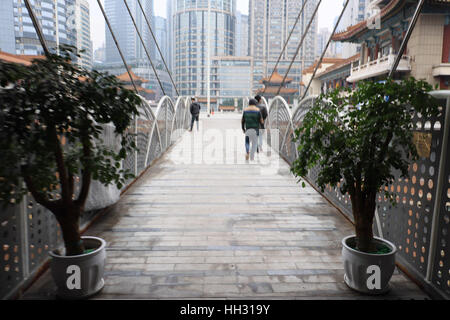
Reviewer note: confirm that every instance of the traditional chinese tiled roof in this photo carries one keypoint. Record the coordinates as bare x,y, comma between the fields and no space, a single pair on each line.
205,100
389,10
275,78
139,88
124,77
18,58
311,68
338,65
273,90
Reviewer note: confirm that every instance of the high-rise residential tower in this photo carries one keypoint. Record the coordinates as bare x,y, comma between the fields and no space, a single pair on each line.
190,41
270,22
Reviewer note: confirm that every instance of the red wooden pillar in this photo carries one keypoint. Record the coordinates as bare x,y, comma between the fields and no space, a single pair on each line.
446,45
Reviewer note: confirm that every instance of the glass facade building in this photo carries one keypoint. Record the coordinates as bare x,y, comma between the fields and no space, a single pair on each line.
57,19
242,44
270,22
125,32
62,22
7,37
131,45
161,37
84,34
231,77
190,23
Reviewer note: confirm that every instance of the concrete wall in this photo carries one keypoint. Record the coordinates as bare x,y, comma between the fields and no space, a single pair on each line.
425,46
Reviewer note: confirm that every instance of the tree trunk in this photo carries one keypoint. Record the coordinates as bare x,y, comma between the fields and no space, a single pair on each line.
364,235
69,222
363,213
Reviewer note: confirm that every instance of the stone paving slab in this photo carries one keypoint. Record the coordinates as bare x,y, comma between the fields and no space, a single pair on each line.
218,231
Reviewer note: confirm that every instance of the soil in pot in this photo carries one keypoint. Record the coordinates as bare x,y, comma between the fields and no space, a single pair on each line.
379,248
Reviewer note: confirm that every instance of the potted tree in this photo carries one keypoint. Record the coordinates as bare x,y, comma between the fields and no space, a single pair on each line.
359,139
51,116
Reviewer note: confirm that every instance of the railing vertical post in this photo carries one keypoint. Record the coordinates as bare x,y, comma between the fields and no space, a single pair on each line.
136,142
167,126
438,198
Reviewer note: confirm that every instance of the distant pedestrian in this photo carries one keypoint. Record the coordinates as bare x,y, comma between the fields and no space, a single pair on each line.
251,120
195,112
262,108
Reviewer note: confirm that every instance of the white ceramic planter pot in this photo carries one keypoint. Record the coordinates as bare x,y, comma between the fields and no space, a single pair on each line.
80,276
365,272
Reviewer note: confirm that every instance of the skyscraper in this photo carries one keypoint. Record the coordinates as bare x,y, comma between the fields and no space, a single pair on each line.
125,32
131,46
84,34
242,45
190,40
57,20
62,22
270,22
161,36
7,37
169,12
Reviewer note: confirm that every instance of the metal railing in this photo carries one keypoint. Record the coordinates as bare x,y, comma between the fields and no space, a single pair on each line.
28,231
419,224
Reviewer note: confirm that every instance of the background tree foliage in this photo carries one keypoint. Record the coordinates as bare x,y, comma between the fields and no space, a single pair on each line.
360,138
51,114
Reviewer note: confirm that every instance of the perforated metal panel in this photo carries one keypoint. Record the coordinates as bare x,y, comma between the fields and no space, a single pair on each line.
408,224
440,274
11,264
44,233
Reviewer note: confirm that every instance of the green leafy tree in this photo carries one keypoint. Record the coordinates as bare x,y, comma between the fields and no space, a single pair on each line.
360,138
51,116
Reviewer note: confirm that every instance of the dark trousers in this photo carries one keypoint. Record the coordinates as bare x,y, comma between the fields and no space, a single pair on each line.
194,118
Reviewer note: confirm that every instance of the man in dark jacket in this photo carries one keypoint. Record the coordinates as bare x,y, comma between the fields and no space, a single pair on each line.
195,111
251,120
262,108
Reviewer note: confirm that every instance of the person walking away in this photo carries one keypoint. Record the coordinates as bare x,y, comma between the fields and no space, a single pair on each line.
195,112
262,108
251,120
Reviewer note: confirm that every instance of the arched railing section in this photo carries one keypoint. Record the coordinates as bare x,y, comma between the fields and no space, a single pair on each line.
420,223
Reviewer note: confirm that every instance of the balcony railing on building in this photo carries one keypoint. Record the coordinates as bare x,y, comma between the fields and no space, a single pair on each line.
379,67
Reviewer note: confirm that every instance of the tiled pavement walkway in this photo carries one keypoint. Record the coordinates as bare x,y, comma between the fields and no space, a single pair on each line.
213,230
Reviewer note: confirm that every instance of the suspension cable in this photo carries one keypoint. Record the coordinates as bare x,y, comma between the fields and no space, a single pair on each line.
157,46
299,46
117,45
37,27
145,47
325,49
286,43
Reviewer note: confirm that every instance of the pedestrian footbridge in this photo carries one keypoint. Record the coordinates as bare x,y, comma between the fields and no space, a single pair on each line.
201,222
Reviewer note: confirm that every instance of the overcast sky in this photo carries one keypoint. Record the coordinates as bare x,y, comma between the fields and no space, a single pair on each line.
328,11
